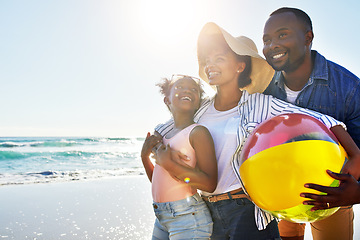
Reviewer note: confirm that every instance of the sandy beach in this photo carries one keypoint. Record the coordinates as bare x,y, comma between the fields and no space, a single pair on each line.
115,208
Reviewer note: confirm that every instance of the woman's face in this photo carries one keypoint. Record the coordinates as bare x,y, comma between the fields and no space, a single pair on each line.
222,66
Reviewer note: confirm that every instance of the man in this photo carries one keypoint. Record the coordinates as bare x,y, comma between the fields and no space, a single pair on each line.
307,79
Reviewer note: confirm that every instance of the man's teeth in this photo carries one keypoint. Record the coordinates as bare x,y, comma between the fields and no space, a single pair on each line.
278,55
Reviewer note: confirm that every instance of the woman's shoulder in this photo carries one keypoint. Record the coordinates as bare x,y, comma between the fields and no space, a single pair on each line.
259,95
256,98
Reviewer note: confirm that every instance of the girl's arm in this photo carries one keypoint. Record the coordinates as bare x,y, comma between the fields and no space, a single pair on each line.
149,143
353,165
204,175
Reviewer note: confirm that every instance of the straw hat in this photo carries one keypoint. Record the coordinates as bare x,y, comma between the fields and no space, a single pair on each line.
261,73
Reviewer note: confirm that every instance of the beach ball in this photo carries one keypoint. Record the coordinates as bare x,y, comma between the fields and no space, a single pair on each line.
280,156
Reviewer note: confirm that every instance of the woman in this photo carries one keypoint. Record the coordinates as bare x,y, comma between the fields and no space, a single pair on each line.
233,66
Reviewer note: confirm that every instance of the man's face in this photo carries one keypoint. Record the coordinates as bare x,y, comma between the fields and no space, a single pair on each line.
284,42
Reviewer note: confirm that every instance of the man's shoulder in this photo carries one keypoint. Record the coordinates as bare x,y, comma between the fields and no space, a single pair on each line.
335,71
340,70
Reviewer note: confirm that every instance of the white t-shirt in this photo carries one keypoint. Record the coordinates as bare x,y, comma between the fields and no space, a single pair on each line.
223,126
290,94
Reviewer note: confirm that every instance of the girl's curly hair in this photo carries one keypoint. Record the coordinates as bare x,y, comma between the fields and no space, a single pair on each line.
166,84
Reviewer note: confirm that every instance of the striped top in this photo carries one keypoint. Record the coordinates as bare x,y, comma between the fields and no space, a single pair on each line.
254,109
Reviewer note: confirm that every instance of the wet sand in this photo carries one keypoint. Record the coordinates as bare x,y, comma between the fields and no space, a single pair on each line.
116,208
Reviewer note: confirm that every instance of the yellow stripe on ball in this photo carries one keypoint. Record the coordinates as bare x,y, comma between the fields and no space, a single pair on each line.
275,177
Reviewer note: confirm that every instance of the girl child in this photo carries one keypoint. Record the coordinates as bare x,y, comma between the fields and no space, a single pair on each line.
180,211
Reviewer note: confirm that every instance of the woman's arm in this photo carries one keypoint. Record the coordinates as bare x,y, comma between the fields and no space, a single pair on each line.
348,192
338,128
353,165
204,175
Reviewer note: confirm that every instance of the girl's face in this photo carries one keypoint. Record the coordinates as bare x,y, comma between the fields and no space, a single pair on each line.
222,66
184,95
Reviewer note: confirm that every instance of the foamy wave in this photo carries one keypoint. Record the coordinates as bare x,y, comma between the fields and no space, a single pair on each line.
67,142
66,176
11,144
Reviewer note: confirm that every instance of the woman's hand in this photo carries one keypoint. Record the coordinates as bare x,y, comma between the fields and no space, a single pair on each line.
164,153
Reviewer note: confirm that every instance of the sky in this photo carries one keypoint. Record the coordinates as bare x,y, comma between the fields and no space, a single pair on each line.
89,67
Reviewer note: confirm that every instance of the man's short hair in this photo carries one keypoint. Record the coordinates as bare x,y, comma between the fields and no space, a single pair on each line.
299,14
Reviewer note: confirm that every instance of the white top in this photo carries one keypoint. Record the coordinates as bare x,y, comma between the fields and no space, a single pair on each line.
223,127
290,94
252,109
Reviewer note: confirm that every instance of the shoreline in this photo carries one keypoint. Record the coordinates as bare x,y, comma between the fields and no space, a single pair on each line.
107,208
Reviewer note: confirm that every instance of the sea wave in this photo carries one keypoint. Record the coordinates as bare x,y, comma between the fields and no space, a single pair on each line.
64,176
25,142
11,144
49,159
39,144
11,155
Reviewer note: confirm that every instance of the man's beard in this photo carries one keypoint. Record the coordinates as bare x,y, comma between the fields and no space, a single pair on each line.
289,67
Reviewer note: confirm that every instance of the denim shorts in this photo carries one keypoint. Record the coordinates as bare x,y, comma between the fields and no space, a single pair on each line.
235,219
184,219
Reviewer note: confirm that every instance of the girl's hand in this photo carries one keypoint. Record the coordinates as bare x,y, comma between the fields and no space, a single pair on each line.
150,142
163,155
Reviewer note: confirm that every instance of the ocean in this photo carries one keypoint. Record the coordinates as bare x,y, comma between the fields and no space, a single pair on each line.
25,160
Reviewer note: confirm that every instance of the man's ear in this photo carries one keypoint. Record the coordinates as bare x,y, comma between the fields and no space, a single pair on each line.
309,36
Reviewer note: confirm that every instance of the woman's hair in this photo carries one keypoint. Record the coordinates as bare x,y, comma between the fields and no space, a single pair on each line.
244,77
208,42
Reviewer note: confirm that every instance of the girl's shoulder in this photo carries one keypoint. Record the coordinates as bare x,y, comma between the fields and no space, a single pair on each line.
199,130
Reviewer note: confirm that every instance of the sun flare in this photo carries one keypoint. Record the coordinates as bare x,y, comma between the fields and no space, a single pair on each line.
165,21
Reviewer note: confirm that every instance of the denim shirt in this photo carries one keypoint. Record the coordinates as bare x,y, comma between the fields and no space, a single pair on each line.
331,89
